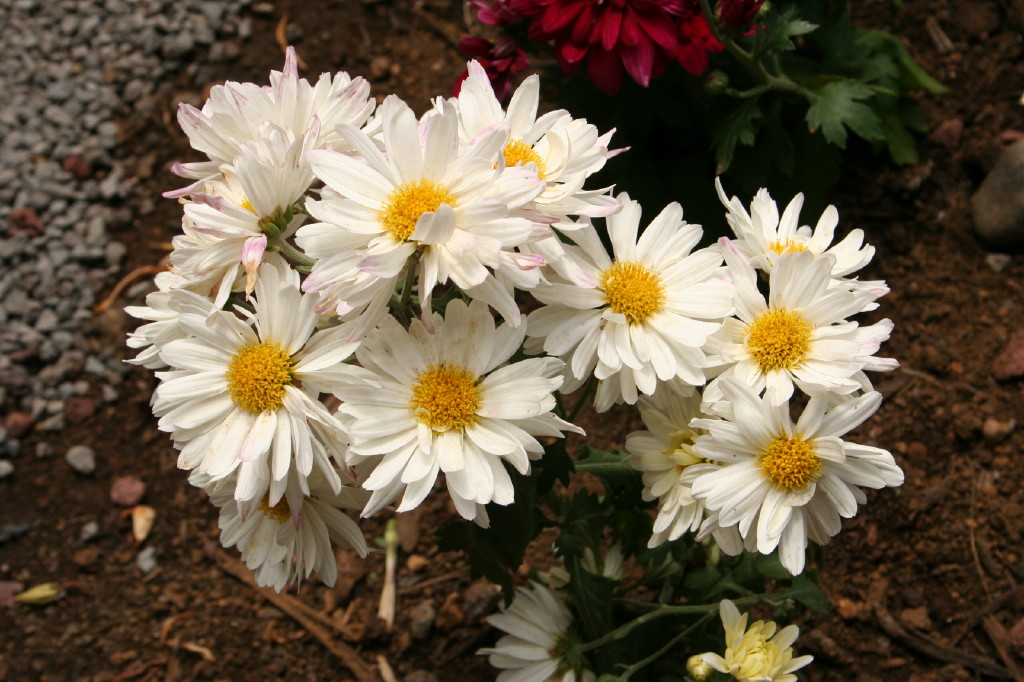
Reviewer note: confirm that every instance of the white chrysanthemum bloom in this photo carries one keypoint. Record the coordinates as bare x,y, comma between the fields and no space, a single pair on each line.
284,542
227,223
541,644
238,113
243,394
161,312
564,151
613,567
799,335
443,402
761,653
783,482
763,237
666,456
422,196
647,319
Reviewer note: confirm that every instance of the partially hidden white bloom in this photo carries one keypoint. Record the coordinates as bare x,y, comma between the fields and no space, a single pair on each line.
665,454
442,401
799,335
421,198
242,394
761,653
651,308
763,237
612,566
239,113
541,640
227,222
161,312
285,541
565,151
782,483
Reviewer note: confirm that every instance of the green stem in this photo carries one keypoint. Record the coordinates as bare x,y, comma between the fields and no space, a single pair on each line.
588,388
604,467
661,652
291,253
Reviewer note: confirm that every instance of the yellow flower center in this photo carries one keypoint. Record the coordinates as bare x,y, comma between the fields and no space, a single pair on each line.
247,205
680,450
632,290
789,463
779,339
784,246
257,376
445,397
406,203
517,153
280,512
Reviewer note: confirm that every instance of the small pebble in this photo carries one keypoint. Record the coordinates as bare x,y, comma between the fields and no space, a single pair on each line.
82,459
90,529
421,619
998,262
127,491
146,560
6,468
999,202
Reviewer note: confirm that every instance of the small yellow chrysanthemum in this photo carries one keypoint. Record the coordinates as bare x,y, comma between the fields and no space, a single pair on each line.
757,654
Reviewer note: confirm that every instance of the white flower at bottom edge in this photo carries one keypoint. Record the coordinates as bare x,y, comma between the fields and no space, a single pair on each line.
435,399
539,642
285,542
666,456
761,653
782,483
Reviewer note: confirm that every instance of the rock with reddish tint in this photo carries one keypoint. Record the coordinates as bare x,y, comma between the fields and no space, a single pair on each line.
127,491
1017,637
78,167
24,221
1009,364
18,424
948,133
79,408
999,202
8,590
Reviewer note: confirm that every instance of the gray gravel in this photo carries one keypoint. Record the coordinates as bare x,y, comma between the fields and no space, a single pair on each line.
70,71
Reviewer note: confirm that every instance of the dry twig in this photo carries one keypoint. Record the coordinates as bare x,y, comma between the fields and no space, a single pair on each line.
125,281
303,615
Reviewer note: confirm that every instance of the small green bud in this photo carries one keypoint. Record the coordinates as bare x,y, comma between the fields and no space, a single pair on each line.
698,669
716,82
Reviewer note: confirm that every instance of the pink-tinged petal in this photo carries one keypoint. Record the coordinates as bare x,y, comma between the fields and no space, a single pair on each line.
252,256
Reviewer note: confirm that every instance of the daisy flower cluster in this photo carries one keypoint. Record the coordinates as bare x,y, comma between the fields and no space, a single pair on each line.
342,330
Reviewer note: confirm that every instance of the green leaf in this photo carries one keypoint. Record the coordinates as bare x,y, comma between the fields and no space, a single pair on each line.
592,595
781,27
838,106
902,145
807,593
740,127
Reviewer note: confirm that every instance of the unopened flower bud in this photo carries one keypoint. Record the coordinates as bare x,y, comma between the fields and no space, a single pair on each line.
716,82
697,668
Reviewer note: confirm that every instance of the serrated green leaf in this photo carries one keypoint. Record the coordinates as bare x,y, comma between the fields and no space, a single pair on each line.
740,127
838,106
901,144
592,595
810,595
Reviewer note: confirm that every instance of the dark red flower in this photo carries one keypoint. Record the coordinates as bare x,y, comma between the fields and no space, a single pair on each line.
496,12
502,61
737,14
696,42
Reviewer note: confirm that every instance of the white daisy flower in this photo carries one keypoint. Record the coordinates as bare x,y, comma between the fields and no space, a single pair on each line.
243,394
799,335
227,224
421,197
763,237
442,402
564,151
285,541
239,113
666,456
647,319
541,642
761,653
781,482
161,312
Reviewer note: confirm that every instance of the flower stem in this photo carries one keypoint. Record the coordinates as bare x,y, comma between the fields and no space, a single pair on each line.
661,652
291,253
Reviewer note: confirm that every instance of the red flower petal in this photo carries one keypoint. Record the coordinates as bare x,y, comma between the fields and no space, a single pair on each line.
604,71
639,61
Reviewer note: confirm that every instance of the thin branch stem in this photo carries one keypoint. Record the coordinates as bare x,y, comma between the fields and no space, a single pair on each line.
292,253
628,672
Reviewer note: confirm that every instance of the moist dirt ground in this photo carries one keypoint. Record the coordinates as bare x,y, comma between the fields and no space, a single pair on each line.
924,582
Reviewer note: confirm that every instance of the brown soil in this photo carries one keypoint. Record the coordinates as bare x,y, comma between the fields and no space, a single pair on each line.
924,581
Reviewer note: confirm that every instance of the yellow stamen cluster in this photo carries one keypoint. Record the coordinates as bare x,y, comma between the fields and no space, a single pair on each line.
280,512
681,451
247,205
445,397
632,290
789,464
779,339
406,203
257,377
784,246
517,153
